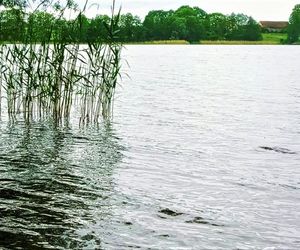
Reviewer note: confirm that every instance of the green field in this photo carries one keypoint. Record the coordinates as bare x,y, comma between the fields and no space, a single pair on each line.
268,39
274,37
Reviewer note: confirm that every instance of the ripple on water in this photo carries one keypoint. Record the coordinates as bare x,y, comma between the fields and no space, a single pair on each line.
203,154
47,202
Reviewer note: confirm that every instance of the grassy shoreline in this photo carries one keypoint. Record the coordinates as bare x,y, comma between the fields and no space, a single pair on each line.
268,39
206,42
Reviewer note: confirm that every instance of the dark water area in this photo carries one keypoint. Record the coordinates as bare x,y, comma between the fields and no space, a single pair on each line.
203,153
55,184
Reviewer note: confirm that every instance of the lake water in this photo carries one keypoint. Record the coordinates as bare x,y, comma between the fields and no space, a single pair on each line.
203,153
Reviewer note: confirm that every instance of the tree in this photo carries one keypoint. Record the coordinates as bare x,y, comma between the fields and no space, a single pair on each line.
235,26
186,23
242,27
157,25
13,3
252,31
97,29
178,28
12,25
194,19
130,28
196,29
40,26
217,26
294,25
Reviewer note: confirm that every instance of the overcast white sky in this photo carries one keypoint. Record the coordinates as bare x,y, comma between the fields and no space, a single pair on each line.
259,9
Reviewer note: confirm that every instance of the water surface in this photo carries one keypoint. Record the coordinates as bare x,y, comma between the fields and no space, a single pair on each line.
203,153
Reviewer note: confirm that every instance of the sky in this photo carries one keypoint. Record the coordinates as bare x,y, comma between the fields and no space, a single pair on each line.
268,10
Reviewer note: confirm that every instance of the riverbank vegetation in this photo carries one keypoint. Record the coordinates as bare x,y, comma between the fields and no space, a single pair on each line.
268,39
190,24
44,70
294,26
186,23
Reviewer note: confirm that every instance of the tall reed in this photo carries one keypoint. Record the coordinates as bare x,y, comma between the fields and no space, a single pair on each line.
42,78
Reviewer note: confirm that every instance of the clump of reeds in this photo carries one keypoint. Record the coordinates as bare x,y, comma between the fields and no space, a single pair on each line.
42,78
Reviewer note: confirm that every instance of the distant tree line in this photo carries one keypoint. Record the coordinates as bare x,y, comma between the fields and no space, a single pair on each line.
186,23
194,24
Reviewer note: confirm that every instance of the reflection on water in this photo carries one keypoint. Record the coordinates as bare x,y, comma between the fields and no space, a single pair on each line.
55,184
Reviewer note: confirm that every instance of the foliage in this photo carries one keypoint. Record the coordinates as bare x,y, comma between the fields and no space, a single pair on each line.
194,24
242,27
186,23
12,24
47,69
294,25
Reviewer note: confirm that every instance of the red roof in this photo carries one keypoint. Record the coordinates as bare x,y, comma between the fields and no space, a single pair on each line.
274,24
